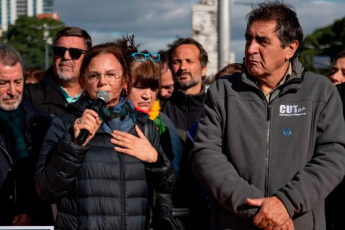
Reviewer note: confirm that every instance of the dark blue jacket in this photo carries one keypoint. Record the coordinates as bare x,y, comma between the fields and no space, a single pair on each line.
94,186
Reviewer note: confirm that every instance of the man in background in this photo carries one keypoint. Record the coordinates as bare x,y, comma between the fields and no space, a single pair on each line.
188,63
21,134
60,84
166,87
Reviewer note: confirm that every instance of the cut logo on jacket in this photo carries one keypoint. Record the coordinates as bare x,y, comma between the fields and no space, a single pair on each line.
292,110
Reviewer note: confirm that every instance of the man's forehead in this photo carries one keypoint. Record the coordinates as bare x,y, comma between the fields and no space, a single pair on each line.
262,30
71,41
7,72
186,50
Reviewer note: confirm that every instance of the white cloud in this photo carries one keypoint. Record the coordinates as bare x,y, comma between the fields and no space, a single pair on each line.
156,23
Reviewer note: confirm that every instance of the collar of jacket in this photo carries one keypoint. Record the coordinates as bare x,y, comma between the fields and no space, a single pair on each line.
293,82
54,96
77,108
179,94
50,79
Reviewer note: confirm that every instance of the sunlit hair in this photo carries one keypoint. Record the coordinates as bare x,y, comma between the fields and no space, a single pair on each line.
229,69
288,27
9,56
164,58
74,32
203,56
338,56
118,49
145,74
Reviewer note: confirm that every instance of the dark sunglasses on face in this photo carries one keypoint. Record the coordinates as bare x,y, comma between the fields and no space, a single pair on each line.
74,53
141,57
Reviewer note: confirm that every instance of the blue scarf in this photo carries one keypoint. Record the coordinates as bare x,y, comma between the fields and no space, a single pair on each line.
120,117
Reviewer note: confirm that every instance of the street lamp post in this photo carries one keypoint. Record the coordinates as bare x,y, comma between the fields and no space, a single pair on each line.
47,40
223,33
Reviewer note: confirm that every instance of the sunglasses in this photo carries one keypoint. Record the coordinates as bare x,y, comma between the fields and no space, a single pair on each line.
141,57
75,53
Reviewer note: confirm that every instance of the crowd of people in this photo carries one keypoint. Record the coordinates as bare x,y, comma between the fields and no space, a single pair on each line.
113,136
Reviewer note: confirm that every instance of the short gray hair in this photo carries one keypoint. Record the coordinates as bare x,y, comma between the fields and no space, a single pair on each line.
9,56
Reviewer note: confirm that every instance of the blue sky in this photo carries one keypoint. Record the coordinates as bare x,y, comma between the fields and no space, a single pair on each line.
156,23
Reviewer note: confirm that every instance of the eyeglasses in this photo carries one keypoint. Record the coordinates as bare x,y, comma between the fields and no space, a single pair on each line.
92,77
75,53
141,57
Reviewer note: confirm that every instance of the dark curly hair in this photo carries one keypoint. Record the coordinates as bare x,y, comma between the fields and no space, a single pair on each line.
288,27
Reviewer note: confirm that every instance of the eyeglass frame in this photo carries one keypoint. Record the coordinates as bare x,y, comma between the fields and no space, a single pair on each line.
81,51
146,55
116,74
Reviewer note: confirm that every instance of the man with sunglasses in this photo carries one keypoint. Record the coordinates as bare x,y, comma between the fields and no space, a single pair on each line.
166,87
60,85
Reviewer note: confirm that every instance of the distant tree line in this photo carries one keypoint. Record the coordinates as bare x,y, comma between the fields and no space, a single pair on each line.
326,41
26,35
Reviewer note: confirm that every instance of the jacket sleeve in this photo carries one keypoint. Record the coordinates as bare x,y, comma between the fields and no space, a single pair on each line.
59,162
211,167
326,168
160,174
175,141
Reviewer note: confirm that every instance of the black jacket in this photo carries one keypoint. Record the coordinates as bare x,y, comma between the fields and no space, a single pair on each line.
94,186
183,110
17,188
336,200
46,95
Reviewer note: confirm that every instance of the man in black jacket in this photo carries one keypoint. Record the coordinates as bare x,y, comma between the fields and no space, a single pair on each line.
188,64
60,84
21,135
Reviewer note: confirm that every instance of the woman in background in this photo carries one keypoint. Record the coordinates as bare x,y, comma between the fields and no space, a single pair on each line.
337,72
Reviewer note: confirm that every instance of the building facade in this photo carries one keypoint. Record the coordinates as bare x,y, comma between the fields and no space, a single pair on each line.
10,10
205,31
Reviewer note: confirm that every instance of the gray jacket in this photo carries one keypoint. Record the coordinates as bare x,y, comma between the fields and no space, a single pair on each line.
291,147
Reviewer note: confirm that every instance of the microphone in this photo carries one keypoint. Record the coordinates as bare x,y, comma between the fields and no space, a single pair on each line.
102,97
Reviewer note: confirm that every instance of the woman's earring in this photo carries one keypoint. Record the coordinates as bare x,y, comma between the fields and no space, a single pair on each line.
124,93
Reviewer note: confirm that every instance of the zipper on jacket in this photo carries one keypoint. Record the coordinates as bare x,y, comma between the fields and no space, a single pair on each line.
267,157
11,162
8,155
122,192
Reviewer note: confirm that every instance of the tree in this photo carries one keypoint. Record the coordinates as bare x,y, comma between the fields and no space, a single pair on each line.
26,35
326,41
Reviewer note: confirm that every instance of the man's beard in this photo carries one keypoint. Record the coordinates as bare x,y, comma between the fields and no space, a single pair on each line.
189,84
63,74
11,107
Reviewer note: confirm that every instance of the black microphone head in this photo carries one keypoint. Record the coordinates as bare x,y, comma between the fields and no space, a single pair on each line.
103,95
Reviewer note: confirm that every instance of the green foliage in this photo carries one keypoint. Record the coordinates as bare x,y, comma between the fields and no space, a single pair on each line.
326,41
26,35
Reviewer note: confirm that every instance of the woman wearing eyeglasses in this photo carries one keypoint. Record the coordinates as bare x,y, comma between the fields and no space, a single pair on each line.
104,182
